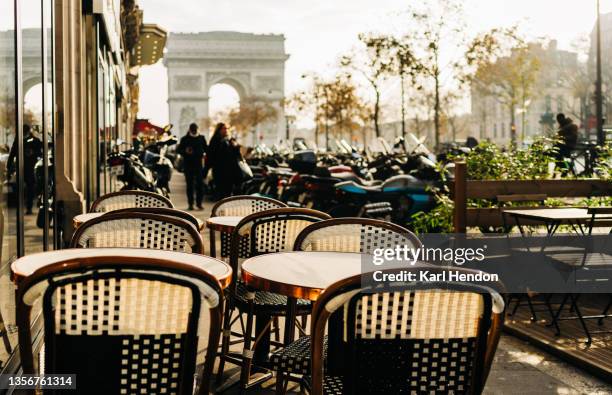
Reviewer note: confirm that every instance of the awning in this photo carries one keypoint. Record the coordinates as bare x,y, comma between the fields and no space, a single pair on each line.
150,46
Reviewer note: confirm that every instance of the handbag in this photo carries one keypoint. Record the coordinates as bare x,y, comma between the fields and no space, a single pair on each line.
179,163
245,169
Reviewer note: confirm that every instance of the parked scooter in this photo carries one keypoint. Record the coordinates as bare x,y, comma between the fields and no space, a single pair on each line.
154,158
129,169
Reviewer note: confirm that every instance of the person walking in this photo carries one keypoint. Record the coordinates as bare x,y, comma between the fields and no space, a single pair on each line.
193,148
32,151
568,136
223,155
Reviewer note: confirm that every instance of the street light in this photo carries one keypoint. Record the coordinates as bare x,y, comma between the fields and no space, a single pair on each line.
601,137
289,119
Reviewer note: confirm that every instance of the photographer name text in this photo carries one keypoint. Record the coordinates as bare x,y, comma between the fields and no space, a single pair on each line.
438,277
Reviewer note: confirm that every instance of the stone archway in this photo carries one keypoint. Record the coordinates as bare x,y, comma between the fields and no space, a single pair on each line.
252,64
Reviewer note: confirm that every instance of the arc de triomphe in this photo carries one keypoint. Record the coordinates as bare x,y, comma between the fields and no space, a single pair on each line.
253,64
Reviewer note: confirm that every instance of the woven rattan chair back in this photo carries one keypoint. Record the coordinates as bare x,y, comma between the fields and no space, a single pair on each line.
122,327
270,231
171,212
129,199
359,235
241,206
138,230
408,337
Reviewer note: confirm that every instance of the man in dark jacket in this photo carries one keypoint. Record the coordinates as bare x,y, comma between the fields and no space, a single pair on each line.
193,147
568,134
32,151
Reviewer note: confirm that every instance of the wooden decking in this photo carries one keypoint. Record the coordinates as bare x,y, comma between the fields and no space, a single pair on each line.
571,344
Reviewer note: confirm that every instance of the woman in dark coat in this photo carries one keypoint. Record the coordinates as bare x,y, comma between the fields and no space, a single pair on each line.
223,155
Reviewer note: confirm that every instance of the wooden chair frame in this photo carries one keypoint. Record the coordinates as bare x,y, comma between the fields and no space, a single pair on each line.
354,221
281,377
489,330
99,201
123,267
272,215
243,197
220,203
192,230
171,212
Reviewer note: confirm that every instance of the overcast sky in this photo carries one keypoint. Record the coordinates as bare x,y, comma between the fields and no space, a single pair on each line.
318,31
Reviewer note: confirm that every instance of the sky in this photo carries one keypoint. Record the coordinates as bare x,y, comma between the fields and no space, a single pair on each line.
317,32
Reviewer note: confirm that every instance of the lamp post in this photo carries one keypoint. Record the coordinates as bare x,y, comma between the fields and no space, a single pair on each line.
289,119
601,137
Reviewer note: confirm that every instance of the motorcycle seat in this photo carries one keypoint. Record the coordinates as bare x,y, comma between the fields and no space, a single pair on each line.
352,186
348,176
401,182
280,171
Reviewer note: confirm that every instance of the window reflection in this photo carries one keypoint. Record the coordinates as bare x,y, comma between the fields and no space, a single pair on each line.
8,212
33,135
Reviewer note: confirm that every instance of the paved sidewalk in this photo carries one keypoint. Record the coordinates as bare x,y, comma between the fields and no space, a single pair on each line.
519,368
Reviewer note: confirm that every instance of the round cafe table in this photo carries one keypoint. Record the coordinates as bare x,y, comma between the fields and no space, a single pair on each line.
222,224
28,264
303,275
78,220
300,274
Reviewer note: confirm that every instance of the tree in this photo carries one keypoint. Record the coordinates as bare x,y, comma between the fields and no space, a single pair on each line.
579,81
374,66
504,67
252,112
442,22
342,104
333,103
402,62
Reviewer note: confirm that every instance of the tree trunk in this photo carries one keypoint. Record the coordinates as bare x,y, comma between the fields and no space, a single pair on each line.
512,125
403,107
377,112
437,112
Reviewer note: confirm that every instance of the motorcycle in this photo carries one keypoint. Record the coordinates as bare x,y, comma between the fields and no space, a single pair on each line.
406,194
410,179
154,158
129,169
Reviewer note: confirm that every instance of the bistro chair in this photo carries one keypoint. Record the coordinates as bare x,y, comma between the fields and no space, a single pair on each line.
600,217
357,235
407,337
238,206
128,199
138,230
126,325
265,232
171,212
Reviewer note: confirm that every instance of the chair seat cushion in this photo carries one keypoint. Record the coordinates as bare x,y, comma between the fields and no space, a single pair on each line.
295,358
268,302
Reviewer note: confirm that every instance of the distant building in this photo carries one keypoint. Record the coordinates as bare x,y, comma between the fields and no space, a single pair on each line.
554,92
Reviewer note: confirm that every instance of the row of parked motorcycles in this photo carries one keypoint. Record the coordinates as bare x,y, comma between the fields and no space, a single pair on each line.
393,184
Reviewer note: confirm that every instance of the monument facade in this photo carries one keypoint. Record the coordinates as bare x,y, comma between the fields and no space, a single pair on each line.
253,64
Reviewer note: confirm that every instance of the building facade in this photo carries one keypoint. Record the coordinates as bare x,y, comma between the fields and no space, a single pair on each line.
555,90
253,64
68,93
